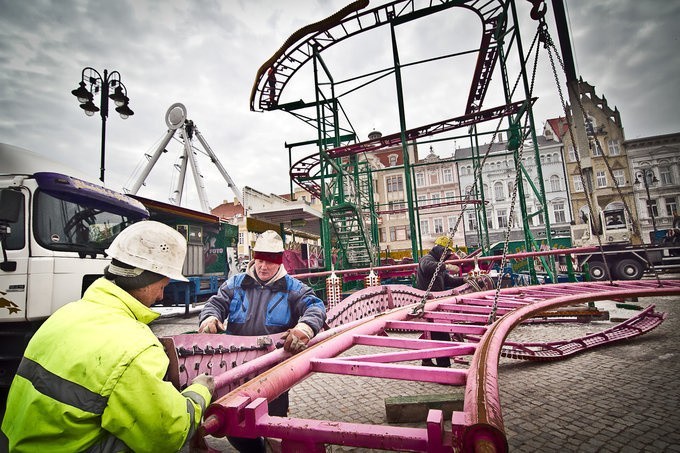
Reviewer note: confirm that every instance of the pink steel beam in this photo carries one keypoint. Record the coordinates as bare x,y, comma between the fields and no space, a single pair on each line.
639,324
483,419
479,426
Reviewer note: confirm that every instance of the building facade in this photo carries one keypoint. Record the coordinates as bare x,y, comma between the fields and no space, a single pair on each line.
497,186
655,176
602,167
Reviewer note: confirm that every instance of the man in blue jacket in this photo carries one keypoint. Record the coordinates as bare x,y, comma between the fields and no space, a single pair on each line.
265,300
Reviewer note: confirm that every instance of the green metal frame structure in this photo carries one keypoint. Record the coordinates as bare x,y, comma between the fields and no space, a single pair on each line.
337,174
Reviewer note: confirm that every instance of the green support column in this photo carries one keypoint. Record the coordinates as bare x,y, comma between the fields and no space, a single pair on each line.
404,146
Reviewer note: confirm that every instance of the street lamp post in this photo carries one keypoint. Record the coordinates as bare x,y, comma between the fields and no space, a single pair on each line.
646,175
91,83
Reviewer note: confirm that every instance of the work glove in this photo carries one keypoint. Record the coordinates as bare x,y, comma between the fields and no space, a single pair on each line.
296,339
206,381
211,325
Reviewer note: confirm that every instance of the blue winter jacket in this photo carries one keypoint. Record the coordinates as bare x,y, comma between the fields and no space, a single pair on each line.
251,308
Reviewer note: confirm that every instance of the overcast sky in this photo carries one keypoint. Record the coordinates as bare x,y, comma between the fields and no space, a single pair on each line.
205,54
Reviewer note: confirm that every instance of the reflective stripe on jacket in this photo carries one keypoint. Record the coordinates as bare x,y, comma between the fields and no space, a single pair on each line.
92,380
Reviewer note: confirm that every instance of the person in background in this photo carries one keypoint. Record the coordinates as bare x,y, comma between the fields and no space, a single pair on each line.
265,300
425,272
271,83
92,375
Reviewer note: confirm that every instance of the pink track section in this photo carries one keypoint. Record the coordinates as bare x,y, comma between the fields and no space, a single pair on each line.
479,427
235,359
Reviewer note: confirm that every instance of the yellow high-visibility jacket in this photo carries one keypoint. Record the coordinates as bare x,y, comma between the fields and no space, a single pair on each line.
91,379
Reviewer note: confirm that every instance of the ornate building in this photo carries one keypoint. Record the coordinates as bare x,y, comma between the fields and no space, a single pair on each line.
655,176
603,168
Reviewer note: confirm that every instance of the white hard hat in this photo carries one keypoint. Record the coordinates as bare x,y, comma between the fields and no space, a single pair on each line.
269,242
151,246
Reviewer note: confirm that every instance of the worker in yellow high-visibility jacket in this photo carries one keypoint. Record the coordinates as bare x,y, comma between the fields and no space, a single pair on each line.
91,378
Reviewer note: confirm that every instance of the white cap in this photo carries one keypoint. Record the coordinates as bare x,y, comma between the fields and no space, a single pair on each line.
269,242
151,246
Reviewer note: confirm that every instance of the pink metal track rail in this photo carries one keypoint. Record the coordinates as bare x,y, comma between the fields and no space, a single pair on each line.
479,427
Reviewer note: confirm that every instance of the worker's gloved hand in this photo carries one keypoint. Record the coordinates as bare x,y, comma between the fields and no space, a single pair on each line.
296,339
211,325
205,380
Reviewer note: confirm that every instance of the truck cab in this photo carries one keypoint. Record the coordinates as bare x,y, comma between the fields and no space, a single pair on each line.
612,225
54,230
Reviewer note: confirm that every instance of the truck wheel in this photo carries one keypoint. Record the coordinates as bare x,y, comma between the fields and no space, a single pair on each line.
597,271
629,269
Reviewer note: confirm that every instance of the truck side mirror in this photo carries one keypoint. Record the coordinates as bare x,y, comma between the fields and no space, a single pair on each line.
10,205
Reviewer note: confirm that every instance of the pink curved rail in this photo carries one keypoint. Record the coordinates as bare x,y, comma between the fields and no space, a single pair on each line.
235,359
479,427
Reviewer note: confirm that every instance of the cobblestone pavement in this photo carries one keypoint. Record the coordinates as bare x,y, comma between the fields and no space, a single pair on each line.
618,398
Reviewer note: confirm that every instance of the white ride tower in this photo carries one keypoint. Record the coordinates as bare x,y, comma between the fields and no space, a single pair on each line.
176,120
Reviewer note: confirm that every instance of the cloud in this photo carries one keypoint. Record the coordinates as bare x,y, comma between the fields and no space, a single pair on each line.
205,54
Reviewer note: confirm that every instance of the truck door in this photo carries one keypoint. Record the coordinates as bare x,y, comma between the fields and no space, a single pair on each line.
14,261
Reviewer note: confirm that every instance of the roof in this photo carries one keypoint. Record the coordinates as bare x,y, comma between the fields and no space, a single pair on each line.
169,213
296,215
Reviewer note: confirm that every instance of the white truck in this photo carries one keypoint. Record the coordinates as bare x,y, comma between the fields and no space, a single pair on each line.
54,229
623,255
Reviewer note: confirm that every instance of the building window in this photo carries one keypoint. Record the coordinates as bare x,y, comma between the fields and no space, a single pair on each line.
452,222
539,216
620,177
420,179
422,200
601,177
424,227
548,158
665,175
447,175
578,183
652,209
671,207
399,233
613,146
471,221
597,149
438,226
436,198
558,211
572,153
450,196
383,238
394,183
555,183
241,238
502,218
498,191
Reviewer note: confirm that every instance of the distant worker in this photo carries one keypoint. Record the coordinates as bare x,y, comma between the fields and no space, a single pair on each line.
91,378
265,300
427,266
271,82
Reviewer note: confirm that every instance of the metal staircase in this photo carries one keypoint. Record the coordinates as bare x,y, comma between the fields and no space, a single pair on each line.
350,232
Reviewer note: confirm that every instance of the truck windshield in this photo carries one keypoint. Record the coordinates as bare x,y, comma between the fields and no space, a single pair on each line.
69,226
